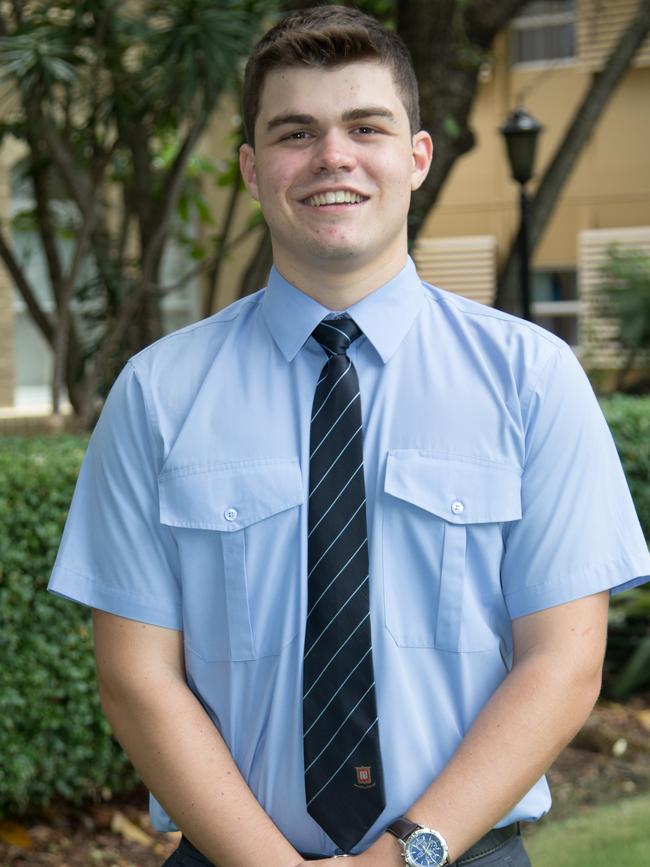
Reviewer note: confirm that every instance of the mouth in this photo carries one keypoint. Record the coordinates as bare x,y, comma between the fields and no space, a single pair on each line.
334,197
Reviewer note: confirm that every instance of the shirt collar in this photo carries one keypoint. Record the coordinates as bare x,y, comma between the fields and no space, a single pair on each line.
384,316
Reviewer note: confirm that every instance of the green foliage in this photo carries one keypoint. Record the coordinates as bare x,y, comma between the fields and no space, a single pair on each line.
629,421
160,59
33,59
627,665
110,102
385,10
199,38
451,127
55,740
626,283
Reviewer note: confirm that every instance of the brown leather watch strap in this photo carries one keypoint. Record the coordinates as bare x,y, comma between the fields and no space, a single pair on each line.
402,827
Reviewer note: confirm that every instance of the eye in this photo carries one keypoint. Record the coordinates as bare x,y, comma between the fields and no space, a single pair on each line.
297,135
365,130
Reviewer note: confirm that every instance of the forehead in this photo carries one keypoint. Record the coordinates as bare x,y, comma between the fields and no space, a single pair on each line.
329,91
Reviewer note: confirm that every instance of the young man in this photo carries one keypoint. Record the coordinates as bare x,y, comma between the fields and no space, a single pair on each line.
350,541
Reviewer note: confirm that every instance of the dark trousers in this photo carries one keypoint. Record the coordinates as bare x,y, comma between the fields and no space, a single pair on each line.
510,854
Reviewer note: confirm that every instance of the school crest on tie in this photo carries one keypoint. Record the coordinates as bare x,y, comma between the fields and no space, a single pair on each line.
364,777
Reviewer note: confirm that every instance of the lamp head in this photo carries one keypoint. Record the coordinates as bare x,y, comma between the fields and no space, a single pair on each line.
520,132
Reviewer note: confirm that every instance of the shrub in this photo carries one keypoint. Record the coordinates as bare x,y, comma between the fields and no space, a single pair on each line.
626,283
54,740
629,420
627,665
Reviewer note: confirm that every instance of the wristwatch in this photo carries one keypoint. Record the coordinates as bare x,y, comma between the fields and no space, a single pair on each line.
421,847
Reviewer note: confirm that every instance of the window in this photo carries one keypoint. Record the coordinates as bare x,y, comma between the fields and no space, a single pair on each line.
556,306
32,353
543,31
465,264
181,306
33,358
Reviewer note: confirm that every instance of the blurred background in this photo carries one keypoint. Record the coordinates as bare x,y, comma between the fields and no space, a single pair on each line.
123,217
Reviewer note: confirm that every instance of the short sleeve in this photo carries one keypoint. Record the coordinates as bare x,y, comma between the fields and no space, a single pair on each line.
579,533
115,554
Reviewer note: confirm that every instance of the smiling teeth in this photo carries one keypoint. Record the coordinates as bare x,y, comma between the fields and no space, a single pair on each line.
339,197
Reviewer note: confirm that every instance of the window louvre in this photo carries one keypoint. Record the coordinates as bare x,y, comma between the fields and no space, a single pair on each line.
543,32
600,24
465,265
599,344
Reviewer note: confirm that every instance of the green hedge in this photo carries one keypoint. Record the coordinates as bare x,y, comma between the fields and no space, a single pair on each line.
627,665
54,740
629,420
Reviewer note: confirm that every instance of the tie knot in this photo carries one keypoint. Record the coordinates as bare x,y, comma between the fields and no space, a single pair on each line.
336,335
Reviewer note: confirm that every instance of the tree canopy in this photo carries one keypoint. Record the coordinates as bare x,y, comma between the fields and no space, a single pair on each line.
109,101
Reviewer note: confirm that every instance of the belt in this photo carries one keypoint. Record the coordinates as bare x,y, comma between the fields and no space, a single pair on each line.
492,841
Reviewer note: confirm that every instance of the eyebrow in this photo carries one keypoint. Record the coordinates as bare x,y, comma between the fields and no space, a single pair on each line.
309,119
369,111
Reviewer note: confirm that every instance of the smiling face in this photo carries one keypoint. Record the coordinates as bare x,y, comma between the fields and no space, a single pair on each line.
333,167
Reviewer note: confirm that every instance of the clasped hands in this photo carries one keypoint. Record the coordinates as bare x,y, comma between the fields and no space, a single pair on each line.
384,852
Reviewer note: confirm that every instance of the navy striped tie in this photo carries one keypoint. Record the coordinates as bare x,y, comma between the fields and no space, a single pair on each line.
343,771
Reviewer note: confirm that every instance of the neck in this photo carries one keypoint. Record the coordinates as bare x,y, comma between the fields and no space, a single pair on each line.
340,288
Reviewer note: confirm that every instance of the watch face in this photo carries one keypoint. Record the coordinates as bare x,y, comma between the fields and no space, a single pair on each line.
426,849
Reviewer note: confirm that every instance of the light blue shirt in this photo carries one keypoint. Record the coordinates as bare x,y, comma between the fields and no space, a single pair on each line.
493,490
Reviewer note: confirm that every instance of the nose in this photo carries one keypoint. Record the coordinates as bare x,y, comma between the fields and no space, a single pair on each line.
335,153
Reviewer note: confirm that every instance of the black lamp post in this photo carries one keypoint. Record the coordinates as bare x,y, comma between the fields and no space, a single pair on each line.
520,132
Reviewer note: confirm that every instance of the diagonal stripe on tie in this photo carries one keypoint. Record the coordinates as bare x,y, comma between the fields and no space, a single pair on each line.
336,732
351,444
348,515
334,501
334,423
326,704
343,770
329,780
328,389
338,535
333,618
325,589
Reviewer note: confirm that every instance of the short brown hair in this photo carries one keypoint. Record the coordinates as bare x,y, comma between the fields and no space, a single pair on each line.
328,36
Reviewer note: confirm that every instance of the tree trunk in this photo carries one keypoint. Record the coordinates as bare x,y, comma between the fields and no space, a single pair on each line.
226,228
74,372
257,273
22,284
64,335
448,41
567,153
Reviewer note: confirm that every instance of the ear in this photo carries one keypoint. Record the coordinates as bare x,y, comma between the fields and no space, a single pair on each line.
247,168
422,156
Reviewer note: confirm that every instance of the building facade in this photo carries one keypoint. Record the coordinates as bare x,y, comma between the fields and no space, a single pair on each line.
545,61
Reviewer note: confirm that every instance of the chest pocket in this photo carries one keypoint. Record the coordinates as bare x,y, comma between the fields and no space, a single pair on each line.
238,531
442,549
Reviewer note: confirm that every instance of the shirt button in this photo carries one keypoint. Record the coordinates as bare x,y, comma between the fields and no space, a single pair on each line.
230,514
457,507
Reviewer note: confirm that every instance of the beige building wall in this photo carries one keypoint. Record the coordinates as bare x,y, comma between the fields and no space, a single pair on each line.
217,144
609,187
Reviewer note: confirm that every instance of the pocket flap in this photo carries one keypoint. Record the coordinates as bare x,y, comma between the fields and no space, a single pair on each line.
230,496
459,491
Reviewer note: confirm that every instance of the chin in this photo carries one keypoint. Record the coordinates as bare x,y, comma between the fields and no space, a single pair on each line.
337,250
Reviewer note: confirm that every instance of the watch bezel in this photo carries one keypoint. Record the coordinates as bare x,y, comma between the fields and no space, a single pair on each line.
418,833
